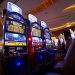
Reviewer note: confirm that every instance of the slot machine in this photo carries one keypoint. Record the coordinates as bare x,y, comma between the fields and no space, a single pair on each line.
47,43
36,31
15,43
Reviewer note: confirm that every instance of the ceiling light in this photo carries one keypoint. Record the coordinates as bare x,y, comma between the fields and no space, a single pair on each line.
69,7
68,24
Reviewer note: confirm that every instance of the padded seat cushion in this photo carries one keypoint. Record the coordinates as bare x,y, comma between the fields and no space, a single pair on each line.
53,74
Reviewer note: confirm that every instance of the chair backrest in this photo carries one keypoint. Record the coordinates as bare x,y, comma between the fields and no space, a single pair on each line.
69,60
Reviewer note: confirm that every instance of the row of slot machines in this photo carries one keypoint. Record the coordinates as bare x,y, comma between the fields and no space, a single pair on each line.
26,44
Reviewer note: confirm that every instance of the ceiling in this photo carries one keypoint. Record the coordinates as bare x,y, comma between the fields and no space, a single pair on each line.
54,15
25,5
50,11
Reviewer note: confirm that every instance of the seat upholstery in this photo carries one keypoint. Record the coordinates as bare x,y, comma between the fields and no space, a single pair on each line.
52,74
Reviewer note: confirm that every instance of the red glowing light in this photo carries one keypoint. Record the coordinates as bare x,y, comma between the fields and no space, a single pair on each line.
29,39
38,43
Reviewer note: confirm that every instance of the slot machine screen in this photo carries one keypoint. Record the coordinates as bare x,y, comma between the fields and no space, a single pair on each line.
46,34
48,41
14,33
36,39
14,26
36,32
12,39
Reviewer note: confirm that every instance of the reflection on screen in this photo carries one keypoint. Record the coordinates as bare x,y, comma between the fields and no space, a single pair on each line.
36,32
14,37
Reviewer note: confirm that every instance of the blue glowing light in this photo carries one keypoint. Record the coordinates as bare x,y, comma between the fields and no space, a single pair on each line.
18,63
15,35
41,57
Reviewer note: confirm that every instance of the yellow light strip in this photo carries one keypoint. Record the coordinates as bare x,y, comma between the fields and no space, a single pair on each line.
68,24
69,7
57,28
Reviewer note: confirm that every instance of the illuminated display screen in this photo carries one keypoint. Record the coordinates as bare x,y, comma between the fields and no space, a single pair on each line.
13,39
13,8
32,18
36,32
36,39
14,26
48,41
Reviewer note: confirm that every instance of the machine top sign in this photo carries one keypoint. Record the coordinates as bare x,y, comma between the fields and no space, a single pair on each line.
43,24
13,8
32,18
